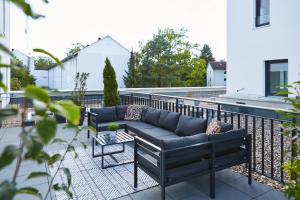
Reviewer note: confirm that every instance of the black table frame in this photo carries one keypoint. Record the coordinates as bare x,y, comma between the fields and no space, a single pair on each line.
99,139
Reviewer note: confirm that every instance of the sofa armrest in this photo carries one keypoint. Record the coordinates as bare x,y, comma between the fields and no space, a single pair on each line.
228,136
93,119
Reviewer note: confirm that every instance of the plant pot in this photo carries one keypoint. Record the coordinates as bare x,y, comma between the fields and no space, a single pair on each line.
82,115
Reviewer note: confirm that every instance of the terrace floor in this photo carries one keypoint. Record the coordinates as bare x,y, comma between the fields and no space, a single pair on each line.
229,185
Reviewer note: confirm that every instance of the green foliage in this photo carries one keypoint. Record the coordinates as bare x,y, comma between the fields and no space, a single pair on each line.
131,77
20,76
111,95
206,54
9,153
169,60
292,130
42,51
113,126
80,88
74,49
43,63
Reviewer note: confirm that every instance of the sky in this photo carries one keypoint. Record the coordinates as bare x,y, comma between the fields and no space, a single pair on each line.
128,21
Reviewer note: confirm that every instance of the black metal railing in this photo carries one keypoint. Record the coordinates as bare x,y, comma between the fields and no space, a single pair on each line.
269,144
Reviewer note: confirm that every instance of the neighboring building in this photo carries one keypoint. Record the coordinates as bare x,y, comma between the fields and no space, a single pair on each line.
263,46
216,74
41,76
91,60
5,40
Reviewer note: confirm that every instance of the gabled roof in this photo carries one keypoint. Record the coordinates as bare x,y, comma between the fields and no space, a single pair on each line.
218,65
76,54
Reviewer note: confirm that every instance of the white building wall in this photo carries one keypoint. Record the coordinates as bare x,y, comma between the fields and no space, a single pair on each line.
215,77
5,40
248,47
92,60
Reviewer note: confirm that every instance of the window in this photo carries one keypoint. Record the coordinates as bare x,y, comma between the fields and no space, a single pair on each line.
262,17
225,79
276,76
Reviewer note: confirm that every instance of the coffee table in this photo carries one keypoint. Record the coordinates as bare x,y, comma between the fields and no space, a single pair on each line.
122,138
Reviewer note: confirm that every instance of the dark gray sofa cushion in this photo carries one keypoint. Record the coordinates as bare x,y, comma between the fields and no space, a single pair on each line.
145,108
155,135
121,111
168,120
104,126
106,114
152,116
190,126
183,141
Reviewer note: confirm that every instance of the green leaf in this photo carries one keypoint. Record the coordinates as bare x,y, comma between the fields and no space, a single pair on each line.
46,129
34,147
68,110
68,175
37,175
58,140
58,62
8,155
9,112
7,190
72,149
6,50
26,8
36,93
30,191
53,159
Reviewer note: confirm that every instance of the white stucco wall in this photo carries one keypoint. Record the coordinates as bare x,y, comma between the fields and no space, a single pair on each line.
91,60
5,40
249,47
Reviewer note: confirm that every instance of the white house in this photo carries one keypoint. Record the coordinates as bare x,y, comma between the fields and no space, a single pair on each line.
41,76
91,60
5,40
216,74
263,46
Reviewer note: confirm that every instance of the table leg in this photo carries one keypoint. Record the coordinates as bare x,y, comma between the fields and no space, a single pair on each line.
102,157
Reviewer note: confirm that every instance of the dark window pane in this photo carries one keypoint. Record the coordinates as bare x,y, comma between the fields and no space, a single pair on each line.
262,12
276,76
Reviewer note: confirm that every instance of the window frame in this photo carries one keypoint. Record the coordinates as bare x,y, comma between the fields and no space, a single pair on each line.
268,64
257,14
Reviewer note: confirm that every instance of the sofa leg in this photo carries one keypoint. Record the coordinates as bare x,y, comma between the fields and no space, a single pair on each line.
163,192
249,174
212,185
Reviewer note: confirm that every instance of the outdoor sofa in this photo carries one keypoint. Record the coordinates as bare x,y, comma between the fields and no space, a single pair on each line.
171,147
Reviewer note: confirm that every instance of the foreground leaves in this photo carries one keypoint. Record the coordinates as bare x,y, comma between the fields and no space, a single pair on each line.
46,129
30,191
8,155
7,190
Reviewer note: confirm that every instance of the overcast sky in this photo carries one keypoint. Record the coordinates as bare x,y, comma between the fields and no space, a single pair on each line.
128,21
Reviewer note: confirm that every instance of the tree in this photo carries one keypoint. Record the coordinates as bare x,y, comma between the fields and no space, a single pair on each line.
165,59
43,63
131,77
75,48
80,88
20,76
206,54
111,95
197,75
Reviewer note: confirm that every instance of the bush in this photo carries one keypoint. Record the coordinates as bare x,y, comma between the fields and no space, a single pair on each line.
113,126
111,95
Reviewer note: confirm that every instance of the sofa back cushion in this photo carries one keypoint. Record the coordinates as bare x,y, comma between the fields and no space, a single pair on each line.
144,111
168,120
121,111
106,114
152,116
190,126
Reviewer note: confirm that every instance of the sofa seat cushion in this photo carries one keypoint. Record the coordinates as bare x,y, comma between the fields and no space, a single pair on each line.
104,126
152,116
106,114
138,127
168,120
190,126
121,111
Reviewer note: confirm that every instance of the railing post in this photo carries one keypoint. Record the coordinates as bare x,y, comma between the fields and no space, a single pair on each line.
219,113
177,104
294,140
131,98
150,100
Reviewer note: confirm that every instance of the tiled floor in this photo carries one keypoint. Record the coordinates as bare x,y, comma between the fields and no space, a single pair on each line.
229,185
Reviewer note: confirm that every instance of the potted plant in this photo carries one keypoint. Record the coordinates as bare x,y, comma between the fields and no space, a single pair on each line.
113,128
79,92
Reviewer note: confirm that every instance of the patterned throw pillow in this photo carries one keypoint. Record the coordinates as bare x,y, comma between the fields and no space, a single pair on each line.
134,112
213,128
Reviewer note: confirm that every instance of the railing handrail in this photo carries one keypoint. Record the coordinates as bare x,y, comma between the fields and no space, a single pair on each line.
215,102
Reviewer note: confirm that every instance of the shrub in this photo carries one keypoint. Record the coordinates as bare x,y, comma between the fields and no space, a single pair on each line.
113,126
